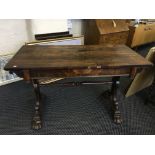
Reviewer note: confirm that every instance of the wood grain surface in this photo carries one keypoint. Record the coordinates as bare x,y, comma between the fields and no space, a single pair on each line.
105,31
75,57
106,26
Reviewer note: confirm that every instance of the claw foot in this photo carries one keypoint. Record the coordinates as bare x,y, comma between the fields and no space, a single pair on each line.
36,122
117,117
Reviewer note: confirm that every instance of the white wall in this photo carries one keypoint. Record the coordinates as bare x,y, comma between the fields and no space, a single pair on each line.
41,26
77,27
13,34
37,26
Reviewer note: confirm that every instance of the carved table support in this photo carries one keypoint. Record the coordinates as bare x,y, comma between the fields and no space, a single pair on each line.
36,121
114,91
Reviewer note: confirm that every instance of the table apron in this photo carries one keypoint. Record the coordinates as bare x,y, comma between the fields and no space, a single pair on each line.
64,73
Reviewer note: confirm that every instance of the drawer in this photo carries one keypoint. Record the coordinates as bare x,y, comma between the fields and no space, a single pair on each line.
143,34
79,72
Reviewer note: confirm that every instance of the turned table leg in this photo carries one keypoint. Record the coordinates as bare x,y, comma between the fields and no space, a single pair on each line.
114,91
36,121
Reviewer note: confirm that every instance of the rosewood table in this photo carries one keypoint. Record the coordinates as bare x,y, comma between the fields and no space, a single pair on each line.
36,62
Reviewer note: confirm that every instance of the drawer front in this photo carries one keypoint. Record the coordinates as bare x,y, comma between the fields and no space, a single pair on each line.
149,33
78,73
143,34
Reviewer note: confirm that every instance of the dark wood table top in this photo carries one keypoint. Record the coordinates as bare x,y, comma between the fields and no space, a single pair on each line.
75,56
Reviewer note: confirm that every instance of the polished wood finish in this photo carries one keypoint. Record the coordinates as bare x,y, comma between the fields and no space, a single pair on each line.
75,57
36,121
77,83
106,31
114,94
26,74
36,62
141,34
62,73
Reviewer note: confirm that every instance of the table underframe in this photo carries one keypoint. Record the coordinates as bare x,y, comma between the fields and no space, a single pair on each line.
37,118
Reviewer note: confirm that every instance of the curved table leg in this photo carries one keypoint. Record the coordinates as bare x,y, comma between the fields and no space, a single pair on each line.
114,89
36,121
